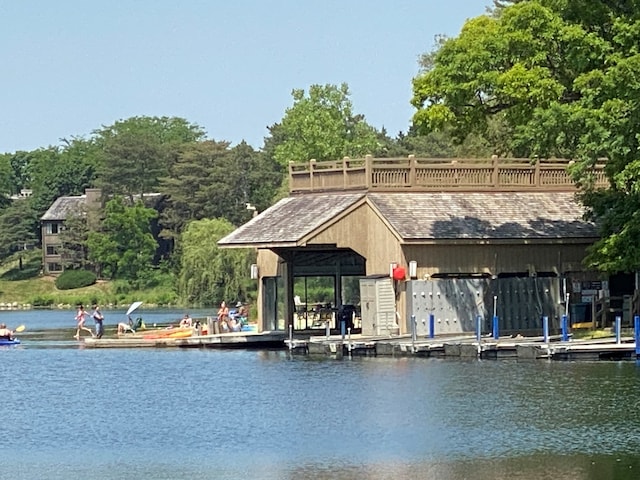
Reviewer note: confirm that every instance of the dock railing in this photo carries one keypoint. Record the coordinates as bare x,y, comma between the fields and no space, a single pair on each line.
435,174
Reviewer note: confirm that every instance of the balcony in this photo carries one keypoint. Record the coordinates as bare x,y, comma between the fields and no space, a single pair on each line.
436,175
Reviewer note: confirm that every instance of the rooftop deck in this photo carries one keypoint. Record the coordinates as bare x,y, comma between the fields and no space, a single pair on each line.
435,175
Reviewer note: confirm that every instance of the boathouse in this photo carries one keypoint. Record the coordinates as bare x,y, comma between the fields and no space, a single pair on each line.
401,241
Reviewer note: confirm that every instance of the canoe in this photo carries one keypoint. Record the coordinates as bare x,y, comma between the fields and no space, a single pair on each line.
4,341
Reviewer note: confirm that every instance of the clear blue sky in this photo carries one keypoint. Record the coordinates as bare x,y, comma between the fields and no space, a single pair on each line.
72,66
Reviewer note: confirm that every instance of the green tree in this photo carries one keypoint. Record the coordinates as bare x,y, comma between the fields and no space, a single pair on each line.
323,126
7,180
125,247
17,229
135,153
57,172
73,238
209,274
211,180
562,78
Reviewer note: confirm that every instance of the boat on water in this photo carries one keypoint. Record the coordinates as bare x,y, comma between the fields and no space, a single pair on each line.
7,342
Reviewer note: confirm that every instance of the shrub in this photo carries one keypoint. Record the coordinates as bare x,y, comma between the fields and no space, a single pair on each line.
71,279
42,301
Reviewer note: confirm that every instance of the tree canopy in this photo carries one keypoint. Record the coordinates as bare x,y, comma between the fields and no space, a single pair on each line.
226,274
321,125
562,79
124,247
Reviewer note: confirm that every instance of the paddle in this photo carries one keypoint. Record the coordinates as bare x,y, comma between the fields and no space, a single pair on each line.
20,329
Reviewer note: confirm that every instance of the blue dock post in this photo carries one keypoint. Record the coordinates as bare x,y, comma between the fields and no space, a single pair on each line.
545,328
290,337
565,329
618,324
432,325
478,328
636,322
496,331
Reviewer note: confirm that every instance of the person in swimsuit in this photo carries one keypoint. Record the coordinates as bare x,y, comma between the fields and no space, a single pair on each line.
81,317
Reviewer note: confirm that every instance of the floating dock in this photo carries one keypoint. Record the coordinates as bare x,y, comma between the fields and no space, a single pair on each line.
222,340
552,347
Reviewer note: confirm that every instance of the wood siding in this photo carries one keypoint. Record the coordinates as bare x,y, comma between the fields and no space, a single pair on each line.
495,259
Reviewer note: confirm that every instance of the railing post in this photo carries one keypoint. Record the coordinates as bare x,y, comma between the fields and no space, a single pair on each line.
345,176
312,164
412,171
545,329
496,173
368,170
618,325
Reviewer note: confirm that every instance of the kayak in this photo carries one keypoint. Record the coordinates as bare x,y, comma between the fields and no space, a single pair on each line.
4,341
170,333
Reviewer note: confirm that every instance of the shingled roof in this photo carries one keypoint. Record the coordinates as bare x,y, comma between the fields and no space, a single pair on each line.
290,219
481,216
419,217
62,207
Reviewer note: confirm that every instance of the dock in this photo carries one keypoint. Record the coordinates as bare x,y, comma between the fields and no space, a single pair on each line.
222,340
468,346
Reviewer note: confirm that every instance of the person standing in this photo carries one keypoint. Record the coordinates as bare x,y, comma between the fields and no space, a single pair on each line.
80,319
223,317
98,317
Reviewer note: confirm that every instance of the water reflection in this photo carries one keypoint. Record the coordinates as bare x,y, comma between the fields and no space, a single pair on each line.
171,413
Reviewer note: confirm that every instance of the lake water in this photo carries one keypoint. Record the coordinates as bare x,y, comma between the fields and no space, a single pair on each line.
73,412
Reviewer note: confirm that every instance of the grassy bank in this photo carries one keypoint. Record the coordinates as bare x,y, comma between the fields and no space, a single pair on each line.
22,283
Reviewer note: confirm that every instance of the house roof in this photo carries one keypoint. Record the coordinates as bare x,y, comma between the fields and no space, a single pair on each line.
62,207
416,217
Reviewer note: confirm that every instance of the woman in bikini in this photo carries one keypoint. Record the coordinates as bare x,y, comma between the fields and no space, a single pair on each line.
80,319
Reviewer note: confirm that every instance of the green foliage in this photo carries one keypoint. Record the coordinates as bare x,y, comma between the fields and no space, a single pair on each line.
210,180
125,246
209,274
563,78
73,238
18,223
71,279
135,153
22,265
7,181
321,126
60,171
42,301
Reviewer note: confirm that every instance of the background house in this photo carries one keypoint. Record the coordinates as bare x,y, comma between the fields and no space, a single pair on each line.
52,223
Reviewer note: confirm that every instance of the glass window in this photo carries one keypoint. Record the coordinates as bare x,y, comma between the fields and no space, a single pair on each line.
52,249
51,228
54,267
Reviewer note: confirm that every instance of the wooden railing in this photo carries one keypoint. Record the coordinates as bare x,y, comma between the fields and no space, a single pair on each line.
435,174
